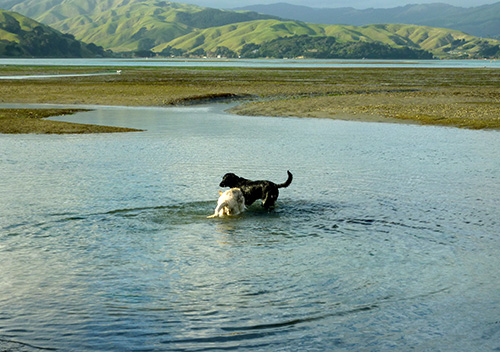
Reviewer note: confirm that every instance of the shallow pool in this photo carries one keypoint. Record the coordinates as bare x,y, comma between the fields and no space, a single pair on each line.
387,239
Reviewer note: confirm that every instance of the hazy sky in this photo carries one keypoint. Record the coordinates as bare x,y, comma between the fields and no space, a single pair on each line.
359,4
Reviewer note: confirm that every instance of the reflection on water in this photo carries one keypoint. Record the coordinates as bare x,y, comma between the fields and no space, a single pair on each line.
386,239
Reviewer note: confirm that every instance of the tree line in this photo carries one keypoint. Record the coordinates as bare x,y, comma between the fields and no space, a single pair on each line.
303,46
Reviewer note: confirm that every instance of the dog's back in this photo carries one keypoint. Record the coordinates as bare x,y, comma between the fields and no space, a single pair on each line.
231,202
252,190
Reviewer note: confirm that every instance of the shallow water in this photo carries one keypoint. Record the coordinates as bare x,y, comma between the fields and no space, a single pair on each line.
386,240
22,77
270,63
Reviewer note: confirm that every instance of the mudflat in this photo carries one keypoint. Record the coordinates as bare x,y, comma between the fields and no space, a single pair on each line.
14,121
460,97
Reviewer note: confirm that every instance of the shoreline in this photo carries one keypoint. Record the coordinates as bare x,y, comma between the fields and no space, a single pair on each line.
246,109
466,98
32,121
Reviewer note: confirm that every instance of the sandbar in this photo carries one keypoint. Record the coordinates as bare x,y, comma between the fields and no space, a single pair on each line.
455,97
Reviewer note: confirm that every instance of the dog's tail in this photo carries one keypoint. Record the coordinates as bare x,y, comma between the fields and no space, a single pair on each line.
287,182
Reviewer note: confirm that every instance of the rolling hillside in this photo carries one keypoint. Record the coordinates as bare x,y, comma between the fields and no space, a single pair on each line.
123,25
23,37
481,21
172,28
440,42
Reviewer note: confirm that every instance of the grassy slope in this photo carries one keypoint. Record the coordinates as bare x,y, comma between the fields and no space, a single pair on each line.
123,25
120,27
32,38
236,35
25,24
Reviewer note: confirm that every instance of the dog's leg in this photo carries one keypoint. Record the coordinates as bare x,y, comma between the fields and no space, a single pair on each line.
217,210
267,203
214,215
270,199
227,211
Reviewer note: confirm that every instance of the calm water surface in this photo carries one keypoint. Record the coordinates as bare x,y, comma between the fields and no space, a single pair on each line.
276,63
387,239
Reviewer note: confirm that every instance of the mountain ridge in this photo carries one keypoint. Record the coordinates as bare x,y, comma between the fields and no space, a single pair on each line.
171,28
482,21
111,22
438,41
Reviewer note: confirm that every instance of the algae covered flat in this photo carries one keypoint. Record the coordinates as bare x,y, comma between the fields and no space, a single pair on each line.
463,97
14,121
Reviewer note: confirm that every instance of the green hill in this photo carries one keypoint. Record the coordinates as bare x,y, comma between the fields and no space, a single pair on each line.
124,25
173,28
23,37
440,42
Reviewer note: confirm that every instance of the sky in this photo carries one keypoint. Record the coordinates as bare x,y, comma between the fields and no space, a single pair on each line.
358,4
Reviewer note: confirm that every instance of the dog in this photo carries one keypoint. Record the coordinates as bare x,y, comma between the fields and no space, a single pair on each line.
231,202
253,190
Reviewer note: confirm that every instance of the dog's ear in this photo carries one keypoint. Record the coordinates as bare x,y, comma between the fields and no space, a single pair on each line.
220,193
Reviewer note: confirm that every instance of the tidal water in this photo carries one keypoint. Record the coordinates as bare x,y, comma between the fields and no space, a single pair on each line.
269,63
386,240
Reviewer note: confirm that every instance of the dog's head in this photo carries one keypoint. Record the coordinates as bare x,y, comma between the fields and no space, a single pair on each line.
229,180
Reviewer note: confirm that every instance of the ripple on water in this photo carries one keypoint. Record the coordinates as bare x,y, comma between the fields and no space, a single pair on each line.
387,238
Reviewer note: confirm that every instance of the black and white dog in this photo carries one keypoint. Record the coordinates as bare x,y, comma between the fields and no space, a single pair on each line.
253,190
